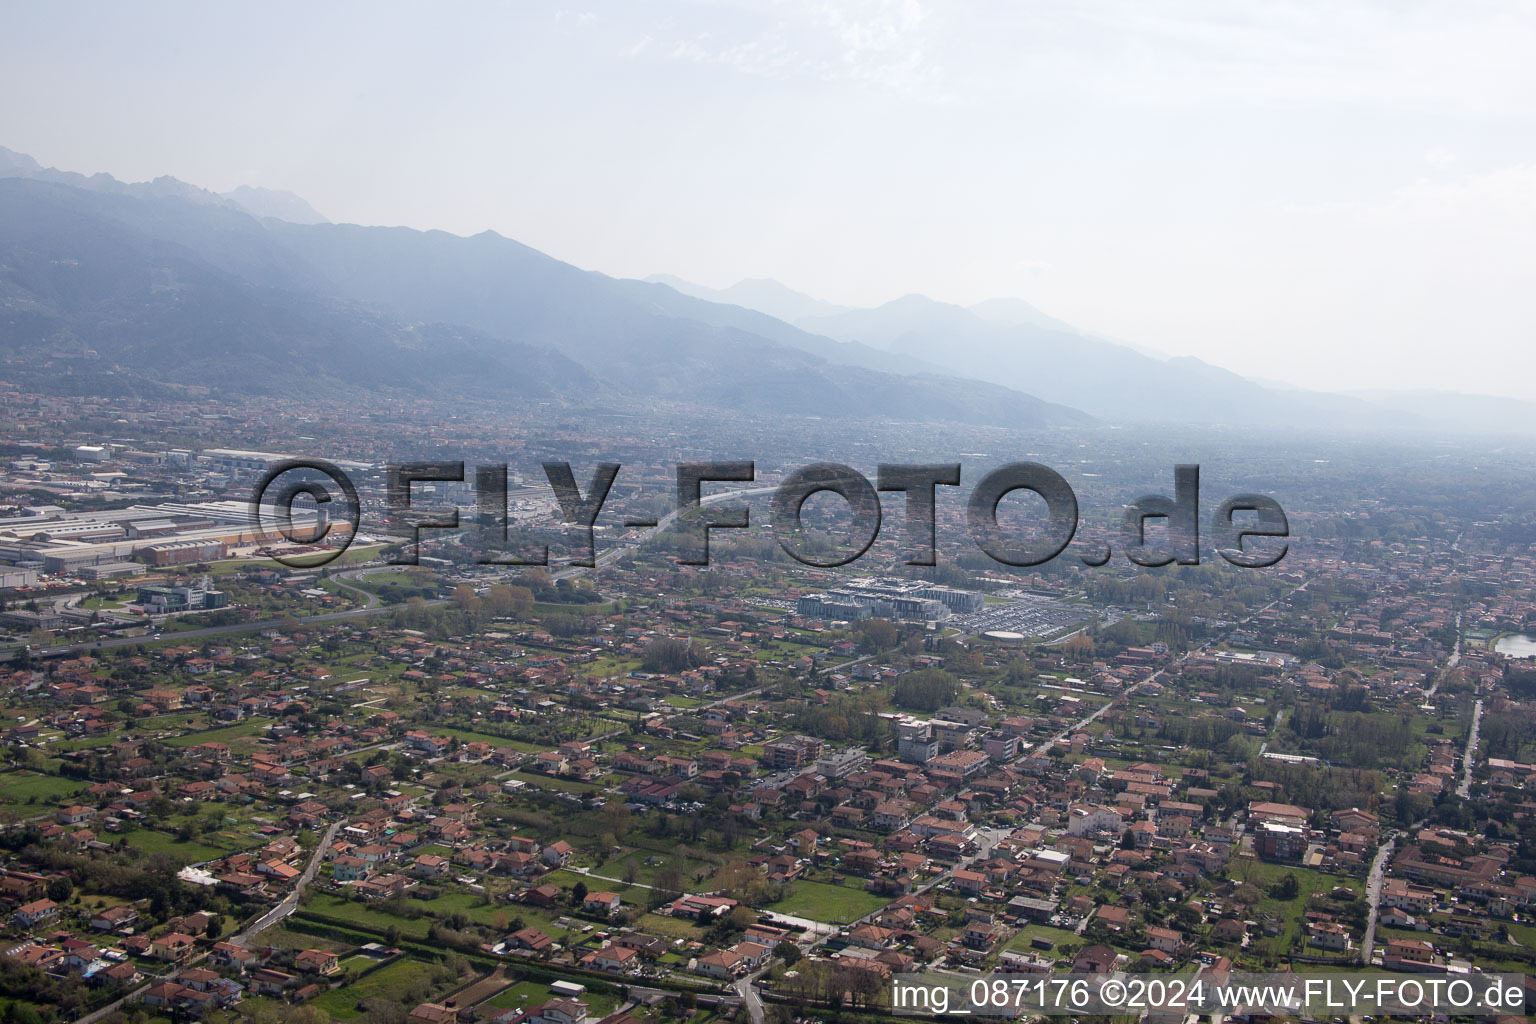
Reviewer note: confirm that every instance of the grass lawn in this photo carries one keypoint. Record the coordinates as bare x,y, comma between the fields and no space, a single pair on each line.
1263,874
472,906
341,909
556,785
669,927
531,993
1524,934
1021,941
544,608
391,982
470,736
630,894
829,904
249,727
19,787
282,938
190,852
645,874
86,743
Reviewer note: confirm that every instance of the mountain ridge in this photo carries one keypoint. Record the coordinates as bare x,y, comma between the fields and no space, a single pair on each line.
167,284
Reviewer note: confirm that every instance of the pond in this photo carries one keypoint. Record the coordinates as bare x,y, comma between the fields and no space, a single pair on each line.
1516,645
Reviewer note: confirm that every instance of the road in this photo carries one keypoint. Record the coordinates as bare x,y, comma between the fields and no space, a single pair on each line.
746,987
291,902
1279,717
1451,662
1469,760
1089,720
1373,884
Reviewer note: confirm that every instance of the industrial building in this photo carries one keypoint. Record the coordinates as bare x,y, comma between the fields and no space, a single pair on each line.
889,598
62,543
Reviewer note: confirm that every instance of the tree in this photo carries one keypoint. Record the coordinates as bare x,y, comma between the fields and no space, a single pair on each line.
306,1015
1287,888
877,635
668,885
668,655
578,893
509,602
925,690
60,889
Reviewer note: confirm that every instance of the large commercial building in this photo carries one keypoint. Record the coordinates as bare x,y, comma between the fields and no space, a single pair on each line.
889,598
61,543
181,599
239,463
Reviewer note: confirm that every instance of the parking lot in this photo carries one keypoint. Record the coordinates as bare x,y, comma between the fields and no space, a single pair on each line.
1037,617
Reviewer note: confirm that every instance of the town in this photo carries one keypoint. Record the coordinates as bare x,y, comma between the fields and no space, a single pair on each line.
643,791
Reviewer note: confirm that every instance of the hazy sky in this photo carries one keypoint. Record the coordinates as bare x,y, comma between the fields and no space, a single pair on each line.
1335,194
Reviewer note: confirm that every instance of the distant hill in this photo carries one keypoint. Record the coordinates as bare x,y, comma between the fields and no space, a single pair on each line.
1016,312
266,202
258,202
1015,347
1481,413
139,287
762,294
95,304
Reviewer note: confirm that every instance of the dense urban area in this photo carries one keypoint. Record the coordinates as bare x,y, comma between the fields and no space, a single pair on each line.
240,790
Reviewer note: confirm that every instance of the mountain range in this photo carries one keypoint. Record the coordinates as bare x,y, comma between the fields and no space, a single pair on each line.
107,286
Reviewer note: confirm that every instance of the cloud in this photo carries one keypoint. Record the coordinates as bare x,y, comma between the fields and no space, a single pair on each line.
1439,158
1501,202
876,42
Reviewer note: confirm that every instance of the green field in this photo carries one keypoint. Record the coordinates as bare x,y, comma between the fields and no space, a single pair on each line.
470,736
829,904
19,787
249,727
339,908
389,982
665,856
531,993
669,927
190,852
1293,912
557,785
1021,941
630,894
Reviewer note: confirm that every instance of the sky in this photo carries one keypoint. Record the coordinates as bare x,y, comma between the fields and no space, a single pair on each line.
1338,196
